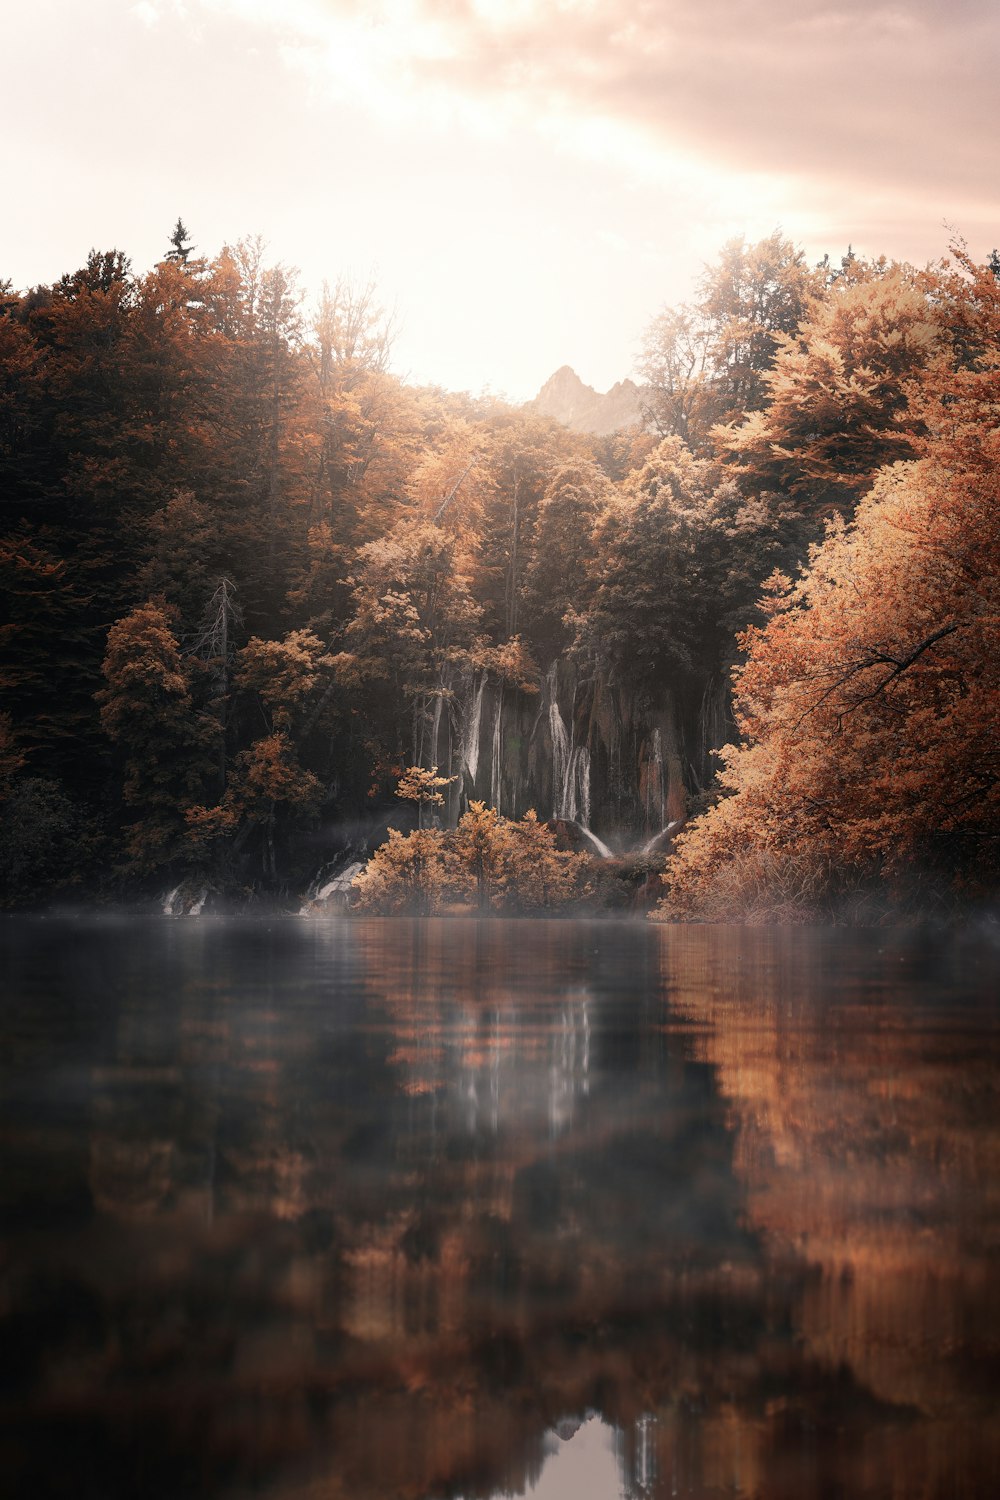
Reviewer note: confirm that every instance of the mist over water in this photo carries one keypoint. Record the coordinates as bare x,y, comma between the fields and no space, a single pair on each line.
452,1208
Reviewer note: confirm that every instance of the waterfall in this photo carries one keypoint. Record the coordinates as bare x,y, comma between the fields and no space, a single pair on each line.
570,772
569,1062
339,886
185,900
470,737
658,843
562,764
591,840
583,784
496,762
331,885
645,1458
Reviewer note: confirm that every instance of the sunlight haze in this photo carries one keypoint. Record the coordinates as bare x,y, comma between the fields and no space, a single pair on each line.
528,183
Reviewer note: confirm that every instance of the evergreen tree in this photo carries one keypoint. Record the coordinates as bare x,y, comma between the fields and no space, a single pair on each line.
180,243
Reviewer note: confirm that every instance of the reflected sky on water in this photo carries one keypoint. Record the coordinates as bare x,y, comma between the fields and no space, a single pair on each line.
448,1208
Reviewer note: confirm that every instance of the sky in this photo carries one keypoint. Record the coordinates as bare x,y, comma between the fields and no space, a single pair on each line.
528,181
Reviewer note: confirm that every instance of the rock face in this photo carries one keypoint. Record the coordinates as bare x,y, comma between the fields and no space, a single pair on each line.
565,397
614,773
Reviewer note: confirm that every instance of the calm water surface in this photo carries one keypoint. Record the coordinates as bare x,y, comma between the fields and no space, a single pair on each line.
318,1210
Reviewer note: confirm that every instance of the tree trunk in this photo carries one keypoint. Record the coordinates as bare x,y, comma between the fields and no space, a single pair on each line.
270,860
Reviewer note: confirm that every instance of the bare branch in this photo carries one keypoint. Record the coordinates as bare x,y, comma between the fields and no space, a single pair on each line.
875,659
453,491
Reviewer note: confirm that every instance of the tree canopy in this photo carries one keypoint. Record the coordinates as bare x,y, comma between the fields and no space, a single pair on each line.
253,579
868,702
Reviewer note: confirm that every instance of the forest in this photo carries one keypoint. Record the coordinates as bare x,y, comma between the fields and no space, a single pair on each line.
266,601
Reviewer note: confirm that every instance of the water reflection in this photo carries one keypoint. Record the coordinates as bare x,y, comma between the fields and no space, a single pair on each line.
867,1137
460,1209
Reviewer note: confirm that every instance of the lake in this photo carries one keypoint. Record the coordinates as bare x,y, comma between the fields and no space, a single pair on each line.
369,1209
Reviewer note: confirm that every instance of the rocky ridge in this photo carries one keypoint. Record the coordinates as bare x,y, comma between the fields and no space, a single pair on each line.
565,397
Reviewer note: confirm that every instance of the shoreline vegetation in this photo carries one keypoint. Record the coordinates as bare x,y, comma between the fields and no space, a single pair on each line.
260,590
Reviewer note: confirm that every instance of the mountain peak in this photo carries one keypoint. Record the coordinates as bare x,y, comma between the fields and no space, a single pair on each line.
565,397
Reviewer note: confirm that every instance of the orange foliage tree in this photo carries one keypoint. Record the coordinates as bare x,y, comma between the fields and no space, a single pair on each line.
423,787
837,408
869,701
167,746
486,864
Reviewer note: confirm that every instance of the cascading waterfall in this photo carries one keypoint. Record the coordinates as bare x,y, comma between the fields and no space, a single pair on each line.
583,785
562,763
517,750
645,1453
657,842
185,901
570,768
591,841
496,763
332,882
470,738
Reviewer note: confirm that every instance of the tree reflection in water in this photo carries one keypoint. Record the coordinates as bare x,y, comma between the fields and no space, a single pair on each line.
417,1209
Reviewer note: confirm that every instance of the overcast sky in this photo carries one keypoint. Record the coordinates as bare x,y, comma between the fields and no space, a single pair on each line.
529,180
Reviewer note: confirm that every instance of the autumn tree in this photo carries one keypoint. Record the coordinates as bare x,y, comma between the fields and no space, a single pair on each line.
424,787
186,553
619,454
753,297
216,645
682,556
486,864
677,367
539,875
269,784
288,687
22,395
519,456
498,864
837,408
353,334
559,573
707,362
166,746
84,324
415,624
366,430
173,370
254,475
866,702
406,874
